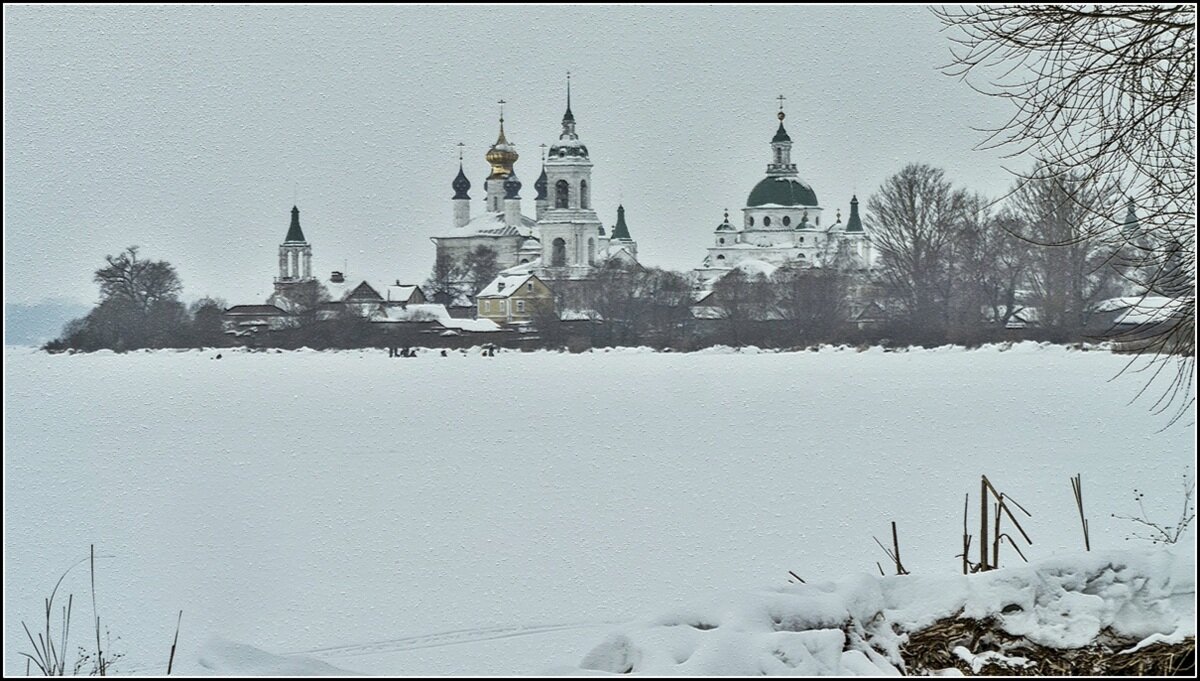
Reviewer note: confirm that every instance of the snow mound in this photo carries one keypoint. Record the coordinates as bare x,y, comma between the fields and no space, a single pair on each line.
226,658
859,625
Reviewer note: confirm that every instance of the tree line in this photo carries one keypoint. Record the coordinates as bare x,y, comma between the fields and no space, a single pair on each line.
953,266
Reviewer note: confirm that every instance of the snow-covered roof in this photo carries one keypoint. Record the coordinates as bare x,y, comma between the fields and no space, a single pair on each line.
400,292
522,268
755,266
490,224
504,286
429,312
1151,310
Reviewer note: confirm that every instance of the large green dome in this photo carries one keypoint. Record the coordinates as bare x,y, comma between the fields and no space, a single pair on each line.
782,191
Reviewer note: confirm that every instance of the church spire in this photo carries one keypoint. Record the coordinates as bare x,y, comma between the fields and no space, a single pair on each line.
1130,226
854,224
568,121
621,230
781,148
295,234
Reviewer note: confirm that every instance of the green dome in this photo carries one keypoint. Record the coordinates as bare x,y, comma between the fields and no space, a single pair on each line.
782,191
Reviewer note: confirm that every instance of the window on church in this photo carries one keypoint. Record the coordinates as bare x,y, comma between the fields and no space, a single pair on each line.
520,306
562,194
818,220
750,221
767,221
721,240
591,252
583,194
786,221
558,254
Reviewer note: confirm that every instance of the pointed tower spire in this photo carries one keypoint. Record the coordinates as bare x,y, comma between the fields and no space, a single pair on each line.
568,116
1130,226
295,234
854,224
540,183
621,230
568,121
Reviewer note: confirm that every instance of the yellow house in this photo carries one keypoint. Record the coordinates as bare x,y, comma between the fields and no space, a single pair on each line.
512,299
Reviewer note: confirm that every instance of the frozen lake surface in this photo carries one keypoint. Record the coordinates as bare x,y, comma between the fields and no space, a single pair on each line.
498,515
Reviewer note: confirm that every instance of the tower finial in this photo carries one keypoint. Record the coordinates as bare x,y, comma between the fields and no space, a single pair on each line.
568,90
781,115
460,152
543,146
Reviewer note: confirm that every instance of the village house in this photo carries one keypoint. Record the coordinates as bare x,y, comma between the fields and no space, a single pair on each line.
512,299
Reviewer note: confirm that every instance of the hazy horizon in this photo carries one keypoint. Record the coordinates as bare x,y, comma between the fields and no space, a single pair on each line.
191,131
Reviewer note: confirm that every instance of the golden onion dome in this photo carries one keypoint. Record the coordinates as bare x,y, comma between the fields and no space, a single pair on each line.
501,156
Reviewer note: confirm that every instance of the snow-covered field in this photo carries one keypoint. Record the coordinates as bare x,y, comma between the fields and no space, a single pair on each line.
507,514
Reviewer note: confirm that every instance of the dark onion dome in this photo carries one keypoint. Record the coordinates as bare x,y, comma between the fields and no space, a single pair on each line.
621,230
461,184
854,224
294,232
512,186
540,185
782,191
780,134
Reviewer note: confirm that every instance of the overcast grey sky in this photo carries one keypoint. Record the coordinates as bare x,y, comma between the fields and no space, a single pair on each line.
189,130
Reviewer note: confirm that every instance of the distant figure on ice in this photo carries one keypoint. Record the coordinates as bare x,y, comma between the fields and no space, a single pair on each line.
443,353
218,355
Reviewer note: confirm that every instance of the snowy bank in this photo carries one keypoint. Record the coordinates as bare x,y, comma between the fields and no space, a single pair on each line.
863,625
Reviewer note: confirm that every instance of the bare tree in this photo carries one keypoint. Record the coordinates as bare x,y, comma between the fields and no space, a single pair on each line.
913,219
142,283
1071,264
813,301
480,268
443,283
991,264
1107,90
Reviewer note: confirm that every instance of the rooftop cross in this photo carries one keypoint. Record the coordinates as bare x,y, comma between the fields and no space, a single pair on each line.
460,150
781,98
502,103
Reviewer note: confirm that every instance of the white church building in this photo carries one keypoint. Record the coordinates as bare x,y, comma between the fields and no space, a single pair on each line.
783,223
565,238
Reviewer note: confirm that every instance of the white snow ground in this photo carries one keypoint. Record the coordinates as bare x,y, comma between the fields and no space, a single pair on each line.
504,515
855,626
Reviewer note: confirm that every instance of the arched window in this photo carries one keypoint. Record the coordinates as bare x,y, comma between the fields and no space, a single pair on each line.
558,256
750,221
721,240
591,249
786,221
562,194
778,155
720,258
767,221
583,194
818,220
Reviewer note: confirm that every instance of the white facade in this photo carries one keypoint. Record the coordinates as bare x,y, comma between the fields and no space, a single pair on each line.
783,223
566,239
